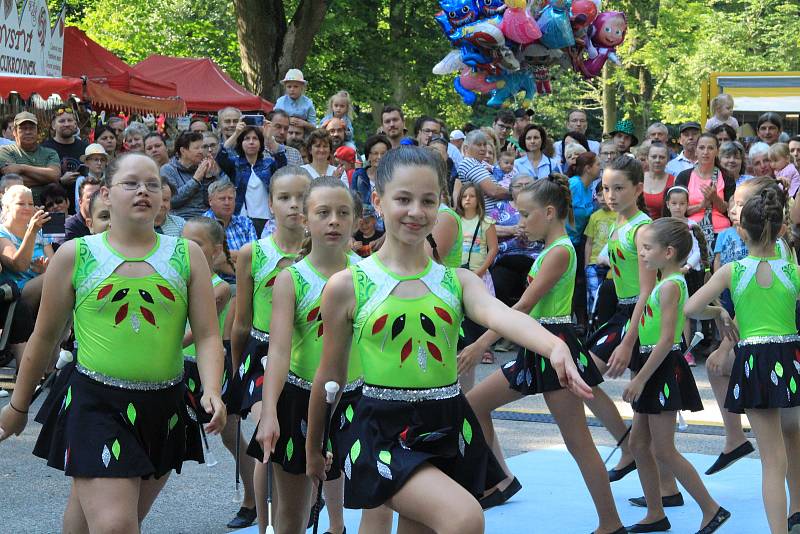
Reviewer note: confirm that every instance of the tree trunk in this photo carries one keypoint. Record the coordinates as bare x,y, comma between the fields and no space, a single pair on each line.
609,99
269,46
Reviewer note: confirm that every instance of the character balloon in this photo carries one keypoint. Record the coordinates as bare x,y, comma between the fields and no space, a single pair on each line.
518,25
606,34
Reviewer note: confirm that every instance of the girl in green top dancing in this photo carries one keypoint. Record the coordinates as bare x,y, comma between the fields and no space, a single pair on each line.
664,383
414,443
545,208
257,267
123,424
766,371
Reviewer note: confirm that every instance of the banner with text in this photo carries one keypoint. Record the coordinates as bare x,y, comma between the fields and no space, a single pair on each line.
29,45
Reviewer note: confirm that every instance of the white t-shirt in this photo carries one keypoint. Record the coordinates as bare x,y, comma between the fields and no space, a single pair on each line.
314,174
256,200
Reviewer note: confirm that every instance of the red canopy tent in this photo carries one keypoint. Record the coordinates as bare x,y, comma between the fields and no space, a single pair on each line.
84,57
201,83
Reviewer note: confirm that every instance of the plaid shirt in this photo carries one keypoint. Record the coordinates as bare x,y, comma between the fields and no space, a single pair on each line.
239,232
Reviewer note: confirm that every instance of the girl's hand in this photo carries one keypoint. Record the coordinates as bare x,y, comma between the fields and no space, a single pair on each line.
619,360
633,391
39,219
39,265
317,464
269,431
469,358
568,375
726,326
716,361
12,423
214,406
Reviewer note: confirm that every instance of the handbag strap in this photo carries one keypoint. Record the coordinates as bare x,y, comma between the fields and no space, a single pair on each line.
472,244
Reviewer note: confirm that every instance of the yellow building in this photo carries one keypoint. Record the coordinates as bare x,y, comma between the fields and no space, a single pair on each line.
755,93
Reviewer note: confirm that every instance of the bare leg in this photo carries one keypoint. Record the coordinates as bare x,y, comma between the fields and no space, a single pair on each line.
74,521
734,433
148,492
490,394
790,426
376,521
604,409
246,463
109,504
662,430
291,514
767,428
467,381
569,415
641,447
433,500
334,502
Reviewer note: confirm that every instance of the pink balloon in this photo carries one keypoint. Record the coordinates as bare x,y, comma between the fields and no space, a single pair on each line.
519,26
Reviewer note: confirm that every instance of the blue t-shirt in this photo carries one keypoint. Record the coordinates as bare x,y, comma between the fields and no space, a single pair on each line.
303,108
582,208
23,277
729,246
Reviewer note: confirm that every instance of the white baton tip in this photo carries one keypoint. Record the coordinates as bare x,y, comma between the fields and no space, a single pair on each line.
331,389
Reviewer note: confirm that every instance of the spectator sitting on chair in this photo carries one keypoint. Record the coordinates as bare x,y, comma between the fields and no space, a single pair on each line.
190,171
156,148
95,158
133,137
75,225
55,200
239,230
37,165
165,222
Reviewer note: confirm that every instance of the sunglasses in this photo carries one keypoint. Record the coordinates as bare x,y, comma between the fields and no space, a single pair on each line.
61,111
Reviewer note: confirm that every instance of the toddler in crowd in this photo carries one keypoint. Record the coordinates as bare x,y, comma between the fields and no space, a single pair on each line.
597,232
100,217
295,103
781,162
367,232
340,106
504,168
345,157
722,108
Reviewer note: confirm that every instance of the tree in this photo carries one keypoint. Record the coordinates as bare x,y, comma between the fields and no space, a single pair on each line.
270,45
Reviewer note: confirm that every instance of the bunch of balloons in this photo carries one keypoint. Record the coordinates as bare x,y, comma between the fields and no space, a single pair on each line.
502,47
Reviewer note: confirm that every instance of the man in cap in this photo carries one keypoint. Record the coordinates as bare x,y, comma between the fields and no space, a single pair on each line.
337,129
37,165
689,134
69,148
457,138
298,106
624,136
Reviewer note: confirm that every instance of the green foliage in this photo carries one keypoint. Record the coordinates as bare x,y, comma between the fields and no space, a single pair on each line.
136,29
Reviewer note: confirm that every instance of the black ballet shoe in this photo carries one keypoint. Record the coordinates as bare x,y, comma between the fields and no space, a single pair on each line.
719,518
662,525
726,459
667,501
620,530
243,518
619,474
498,497
344,531
794,521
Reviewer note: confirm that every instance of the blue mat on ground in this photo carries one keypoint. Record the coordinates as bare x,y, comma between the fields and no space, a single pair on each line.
554,498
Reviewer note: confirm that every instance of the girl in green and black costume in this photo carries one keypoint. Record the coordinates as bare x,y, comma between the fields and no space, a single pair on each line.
257,267
123,424
295,351
545,208
614,346
414,443
766,371
664,383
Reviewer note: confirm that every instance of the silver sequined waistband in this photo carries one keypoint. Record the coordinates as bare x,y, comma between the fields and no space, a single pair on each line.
563,319
647,349
628,301
411,395
763,340
295,380
128,384
255,333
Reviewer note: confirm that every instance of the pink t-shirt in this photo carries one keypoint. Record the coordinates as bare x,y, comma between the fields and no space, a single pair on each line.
719,220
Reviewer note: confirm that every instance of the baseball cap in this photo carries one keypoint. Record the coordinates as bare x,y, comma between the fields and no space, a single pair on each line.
369,211
345,153
25,116
457,135
688,125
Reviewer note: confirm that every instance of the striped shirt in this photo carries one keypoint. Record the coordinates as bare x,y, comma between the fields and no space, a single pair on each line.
473,171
